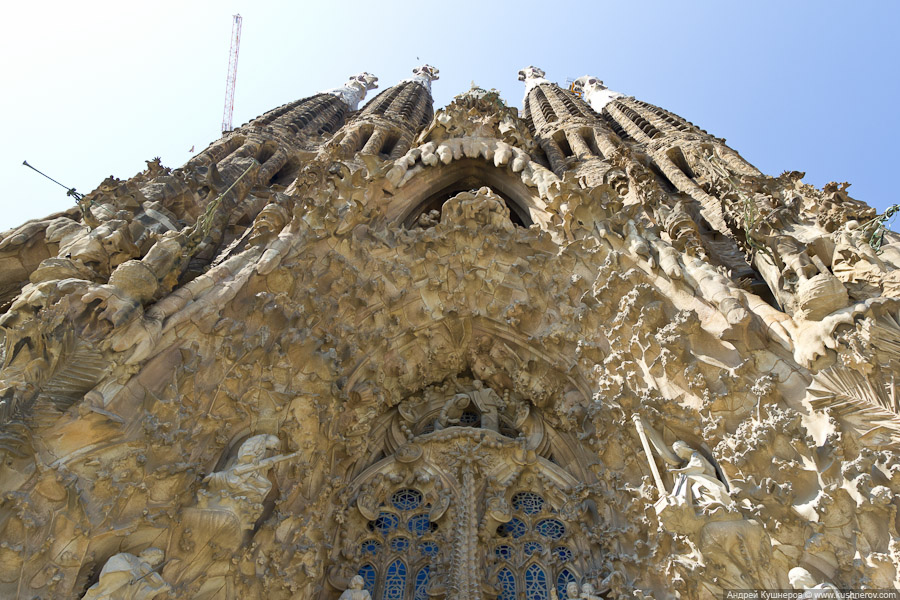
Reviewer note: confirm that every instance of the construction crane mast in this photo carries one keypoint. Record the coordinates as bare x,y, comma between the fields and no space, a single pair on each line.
232,73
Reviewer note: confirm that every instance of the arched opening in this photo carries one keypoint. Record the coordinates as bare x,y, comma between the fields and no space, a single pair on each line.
431,189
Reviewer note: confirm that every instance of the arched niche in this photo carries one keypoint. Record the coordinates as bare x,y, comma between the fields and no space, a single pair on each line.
435,185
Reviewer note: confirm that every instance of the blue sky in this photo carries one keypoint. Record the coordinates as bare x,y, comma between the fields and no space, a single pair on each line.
96,88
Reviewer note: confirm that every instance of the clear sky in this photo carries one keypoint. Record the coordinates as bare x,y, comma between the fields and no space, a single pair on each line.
96,88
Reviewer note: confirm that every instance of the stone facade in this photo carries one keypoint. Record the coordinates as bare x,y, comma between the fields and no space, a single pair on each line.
582,351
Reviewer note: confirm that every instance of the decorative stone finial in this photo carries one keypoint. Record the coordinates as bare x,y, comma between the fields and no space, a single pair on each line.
532,76
354,91
594,92
424,75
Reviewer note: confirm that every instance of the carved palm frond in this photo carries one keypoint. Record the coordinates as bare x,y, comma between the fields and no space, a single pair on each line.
78,372
866,401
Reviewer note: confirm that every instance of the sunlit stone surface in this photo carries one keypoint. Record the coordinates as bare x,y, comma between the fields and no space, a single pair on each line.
582,351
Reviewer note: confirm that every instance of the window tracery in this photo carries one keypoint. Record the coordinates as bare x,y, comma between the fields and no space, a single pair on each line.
533,550
449,488
399,551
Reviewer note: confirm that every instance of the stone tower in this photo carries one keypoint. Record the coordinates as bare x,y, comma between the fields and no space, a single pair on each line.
585,351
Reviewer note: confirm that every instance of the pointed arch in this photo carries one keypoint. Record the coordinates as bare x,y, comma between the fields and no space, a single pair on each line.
427,187
536,583
507,584
420,591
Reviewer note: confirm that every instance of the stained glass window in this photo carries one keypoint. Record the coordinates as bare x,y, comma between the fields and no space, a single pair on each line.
562,554
428,549
386,523
550,528
507,584
536,583
406,499
421,592
565,576
515,528
367,572
370,547
419,525
390,550
399,544
395,581
503,552
528,502
520,549
470,419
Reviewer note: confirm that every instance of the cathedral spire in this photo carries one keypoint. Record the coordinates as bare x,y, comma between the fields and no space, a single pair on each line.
390,121
566,128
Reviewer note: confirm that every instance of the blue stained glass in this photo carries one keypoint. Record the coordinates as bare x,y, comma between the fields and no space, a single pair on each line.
515,528
399,544
532,547
421,584
528,502
503,552
370,547
565,577
406,499
429,549
395,581
367,572
550,528
386,523
419,525
536,583
469,419
507,585
562,554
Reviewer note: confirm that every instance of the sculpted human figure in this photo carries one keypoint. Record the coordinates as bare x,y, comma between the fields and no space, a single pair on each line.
698,484
489,403
452,411
242,487
129,577
801,579
587,592
356,591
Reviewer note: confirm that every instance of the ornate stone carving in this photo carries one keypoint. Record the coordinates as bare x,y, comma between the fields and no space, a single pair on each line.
465,354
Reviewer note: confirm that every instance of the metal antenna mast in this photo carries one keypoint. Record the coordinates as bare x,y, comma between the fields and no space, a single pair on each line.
232,73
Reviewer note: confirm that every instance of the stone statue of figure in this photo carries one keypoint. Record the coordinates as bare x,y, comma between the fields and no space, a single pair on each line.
587,591
242,487
801,579
697,484
452,411
356,591
490,405
129,577
594,92
354,91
